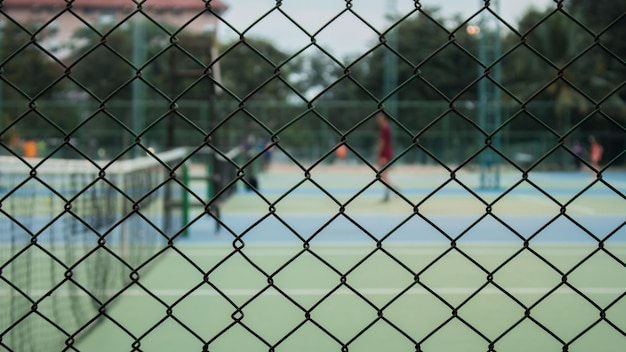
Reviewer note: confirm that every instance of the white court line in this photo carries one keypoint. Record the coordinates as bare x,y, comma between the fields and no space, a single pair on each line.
396,249
371,291
379,291
575,207
356,250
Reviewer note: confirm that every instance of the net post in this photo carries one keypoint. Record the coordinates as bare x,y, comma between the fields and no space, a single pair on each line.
185,198
209,177
213,176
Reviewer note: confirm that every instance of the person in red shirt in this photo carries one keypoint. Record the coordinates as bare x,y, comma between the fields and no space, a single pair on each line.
384,149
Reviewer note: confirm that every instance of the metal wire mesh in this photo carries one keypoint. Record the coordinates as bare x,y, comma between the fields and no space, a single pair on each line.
173,91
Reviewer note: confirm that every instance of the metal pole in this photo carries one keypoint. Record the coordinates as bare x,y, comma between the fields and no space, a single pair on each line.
139,91
390,69
489,97
1,83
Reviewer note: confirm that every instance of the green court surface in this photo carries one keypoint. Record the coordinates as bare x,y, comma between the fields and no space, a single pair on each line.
324,297
317,262
244,290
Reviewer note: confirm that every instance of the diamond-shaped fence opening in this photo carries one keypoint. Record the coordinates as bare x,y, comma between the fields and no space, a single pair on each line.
202,175
458,334
557,302
530,334
505,312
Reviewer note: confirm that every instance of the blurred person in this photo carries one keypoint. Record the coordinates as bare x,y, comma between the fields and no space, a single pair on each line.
29,148
595,153
579,154
249,148
341,153
267,154
384,149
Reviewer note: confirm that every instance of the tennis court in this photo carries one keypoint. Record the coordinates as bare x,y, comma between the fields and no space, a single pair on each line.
307,275
130,219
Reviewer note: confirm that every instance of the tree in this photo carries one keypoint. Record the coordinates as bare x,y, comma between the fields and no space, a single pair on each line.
98,54
23,57
552,43
30,77
254,69
560,73
605,18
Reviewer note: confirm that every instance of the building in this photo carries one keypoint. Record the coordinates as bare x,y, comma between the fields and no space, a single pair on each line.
64,18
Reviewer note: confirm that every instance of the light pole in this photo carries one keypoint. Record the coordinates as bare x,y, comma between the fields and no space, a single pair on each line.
139,90
390,68
489,94
1,83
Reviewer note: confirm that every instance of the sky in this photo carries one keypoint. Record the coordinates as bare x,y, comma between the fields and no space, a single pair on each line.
348,34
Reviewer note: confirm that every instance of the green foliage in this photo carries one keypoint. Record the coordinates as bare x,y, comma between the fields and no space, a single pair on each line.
573,57
430,60
606,19
107,53
27,68
254,69
553,42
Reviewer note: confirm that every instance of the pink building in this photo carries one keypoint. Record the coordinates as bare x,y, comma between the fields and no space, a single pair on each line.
65,17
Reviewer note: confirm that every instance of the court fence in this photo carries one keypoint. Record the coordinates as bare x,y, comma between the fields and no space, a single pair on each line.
100,136
310,142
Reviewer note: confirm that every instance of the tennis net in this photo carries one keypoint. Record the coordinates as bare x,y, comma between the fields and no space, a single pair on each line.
73,233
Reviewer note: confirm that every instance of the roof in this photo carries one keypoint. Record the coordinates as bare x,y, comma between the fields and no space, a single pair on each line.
198,5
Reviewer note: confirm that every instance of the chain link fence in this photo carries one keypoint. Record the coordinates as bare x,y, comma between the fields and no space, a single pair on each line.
108,108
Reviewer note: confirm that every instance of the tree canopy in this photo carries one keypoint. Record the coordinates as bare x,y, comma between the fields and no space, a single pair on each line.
572,58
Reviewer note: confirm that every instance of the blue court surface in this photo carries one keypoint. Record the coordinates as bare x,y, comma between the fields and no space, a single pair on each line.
344,204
